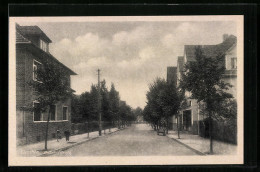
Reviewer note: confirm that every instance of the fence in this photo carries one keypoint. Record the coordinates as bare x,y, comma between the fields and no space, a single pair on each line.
79,128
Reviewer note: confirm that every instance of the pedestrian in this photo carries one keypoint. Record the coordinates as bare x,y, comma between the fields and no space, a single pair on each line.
67,135
58,135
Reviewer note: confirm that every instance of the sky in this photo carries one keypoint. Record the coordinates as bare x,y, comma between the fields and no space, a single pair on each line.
129,54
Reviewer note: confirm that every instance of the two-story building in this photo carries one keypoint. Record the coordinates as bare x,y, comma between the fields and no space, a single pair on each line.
191,115
32,46
171,78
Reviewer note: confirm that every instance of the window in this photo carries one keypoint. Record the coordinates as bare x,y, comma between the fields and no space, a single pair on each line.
65,113
36,67
53,113
233,63
190,103
43,45
37,115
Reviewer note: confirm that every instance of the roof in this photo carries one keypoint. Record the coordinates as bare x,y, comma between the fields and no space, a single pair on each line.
33,30
20,39
210,50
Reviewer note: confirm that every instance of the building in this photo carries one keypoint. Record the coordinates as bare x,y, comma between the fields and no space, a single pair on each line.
172,75
172,79
32,46
191,116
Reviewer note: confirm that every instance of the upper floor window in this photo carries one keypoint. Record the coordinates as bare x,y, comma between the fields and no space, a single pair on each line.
43,45
36,67
233,63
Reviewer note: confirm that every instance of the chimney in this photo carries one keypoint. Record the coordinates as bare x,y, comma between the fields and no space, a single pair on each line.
225,36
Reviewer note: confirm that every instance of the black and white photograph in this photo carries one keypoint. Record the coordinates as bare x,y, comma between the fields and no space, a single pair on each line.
126,90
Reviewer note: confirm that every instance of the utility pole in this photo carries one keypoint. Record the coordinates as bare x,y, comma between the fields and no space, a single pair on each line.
99,104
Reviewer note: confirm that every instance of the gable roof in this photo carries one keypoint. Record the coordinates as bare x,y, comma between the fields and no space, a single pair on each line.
210,50
20,39
33,30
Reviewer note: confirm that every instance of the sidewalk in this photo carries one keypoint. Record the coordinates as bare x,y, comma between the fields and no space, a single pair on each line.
201,145
36,149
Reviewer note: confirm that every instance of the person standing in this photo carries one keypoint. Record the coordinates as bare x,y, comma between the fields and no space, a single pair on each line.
58,135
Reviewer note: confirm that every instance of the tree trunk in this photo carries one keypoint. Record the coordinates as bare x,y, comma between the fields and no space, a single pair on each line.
210,133
88,128
167,123
47,127
118,124
178,127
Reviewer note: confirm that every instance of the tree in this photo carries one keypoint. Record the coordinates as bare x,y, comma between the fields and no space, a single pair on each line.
153,103
52,85
170,100
114,103
76,115
203,79
105,104
183,105
138,113
125,114
163,101
93,108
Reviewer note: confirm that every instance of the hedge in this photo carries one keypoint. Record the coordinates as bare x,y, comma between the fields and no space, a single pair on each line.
222,130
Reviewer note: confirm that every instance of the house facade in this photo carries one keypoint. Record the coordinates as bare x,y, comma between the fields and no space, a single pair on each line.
191,115
172,79
32,46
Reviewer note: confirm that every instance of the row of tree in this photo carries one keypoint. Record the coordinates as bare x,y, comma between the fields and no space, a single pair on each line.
113,110
163,100
203,78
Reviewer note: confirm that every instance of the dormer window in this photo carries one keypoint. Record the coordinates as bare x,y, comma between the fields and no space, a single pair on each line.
43,45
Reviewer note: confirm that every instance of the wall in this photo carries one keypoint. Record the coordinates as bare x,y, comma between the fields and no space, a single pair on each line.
194,115
230,54
25,97
173,123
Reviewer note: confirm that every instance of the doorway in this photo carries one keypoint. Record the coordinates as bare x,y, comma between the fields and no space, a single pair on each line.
187,120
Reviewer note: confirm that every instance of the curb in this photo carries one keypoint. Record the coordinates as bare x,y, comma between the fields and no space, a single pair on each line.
194,150
75,144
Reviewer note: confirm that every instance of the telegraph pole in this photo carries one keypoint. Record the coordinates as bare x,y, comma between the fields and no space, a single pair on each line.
99,104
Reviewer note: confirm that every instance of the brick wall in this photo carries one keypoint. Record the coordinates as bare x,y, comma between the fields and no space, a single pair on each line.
34,131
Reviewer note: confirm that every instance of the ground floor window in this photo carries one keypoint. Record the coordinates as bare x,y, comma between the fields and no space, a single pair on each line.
65,113
37,115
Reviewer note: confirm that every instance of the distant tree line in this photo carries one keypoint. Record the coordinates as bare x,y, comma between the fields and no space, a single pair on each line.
114,111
